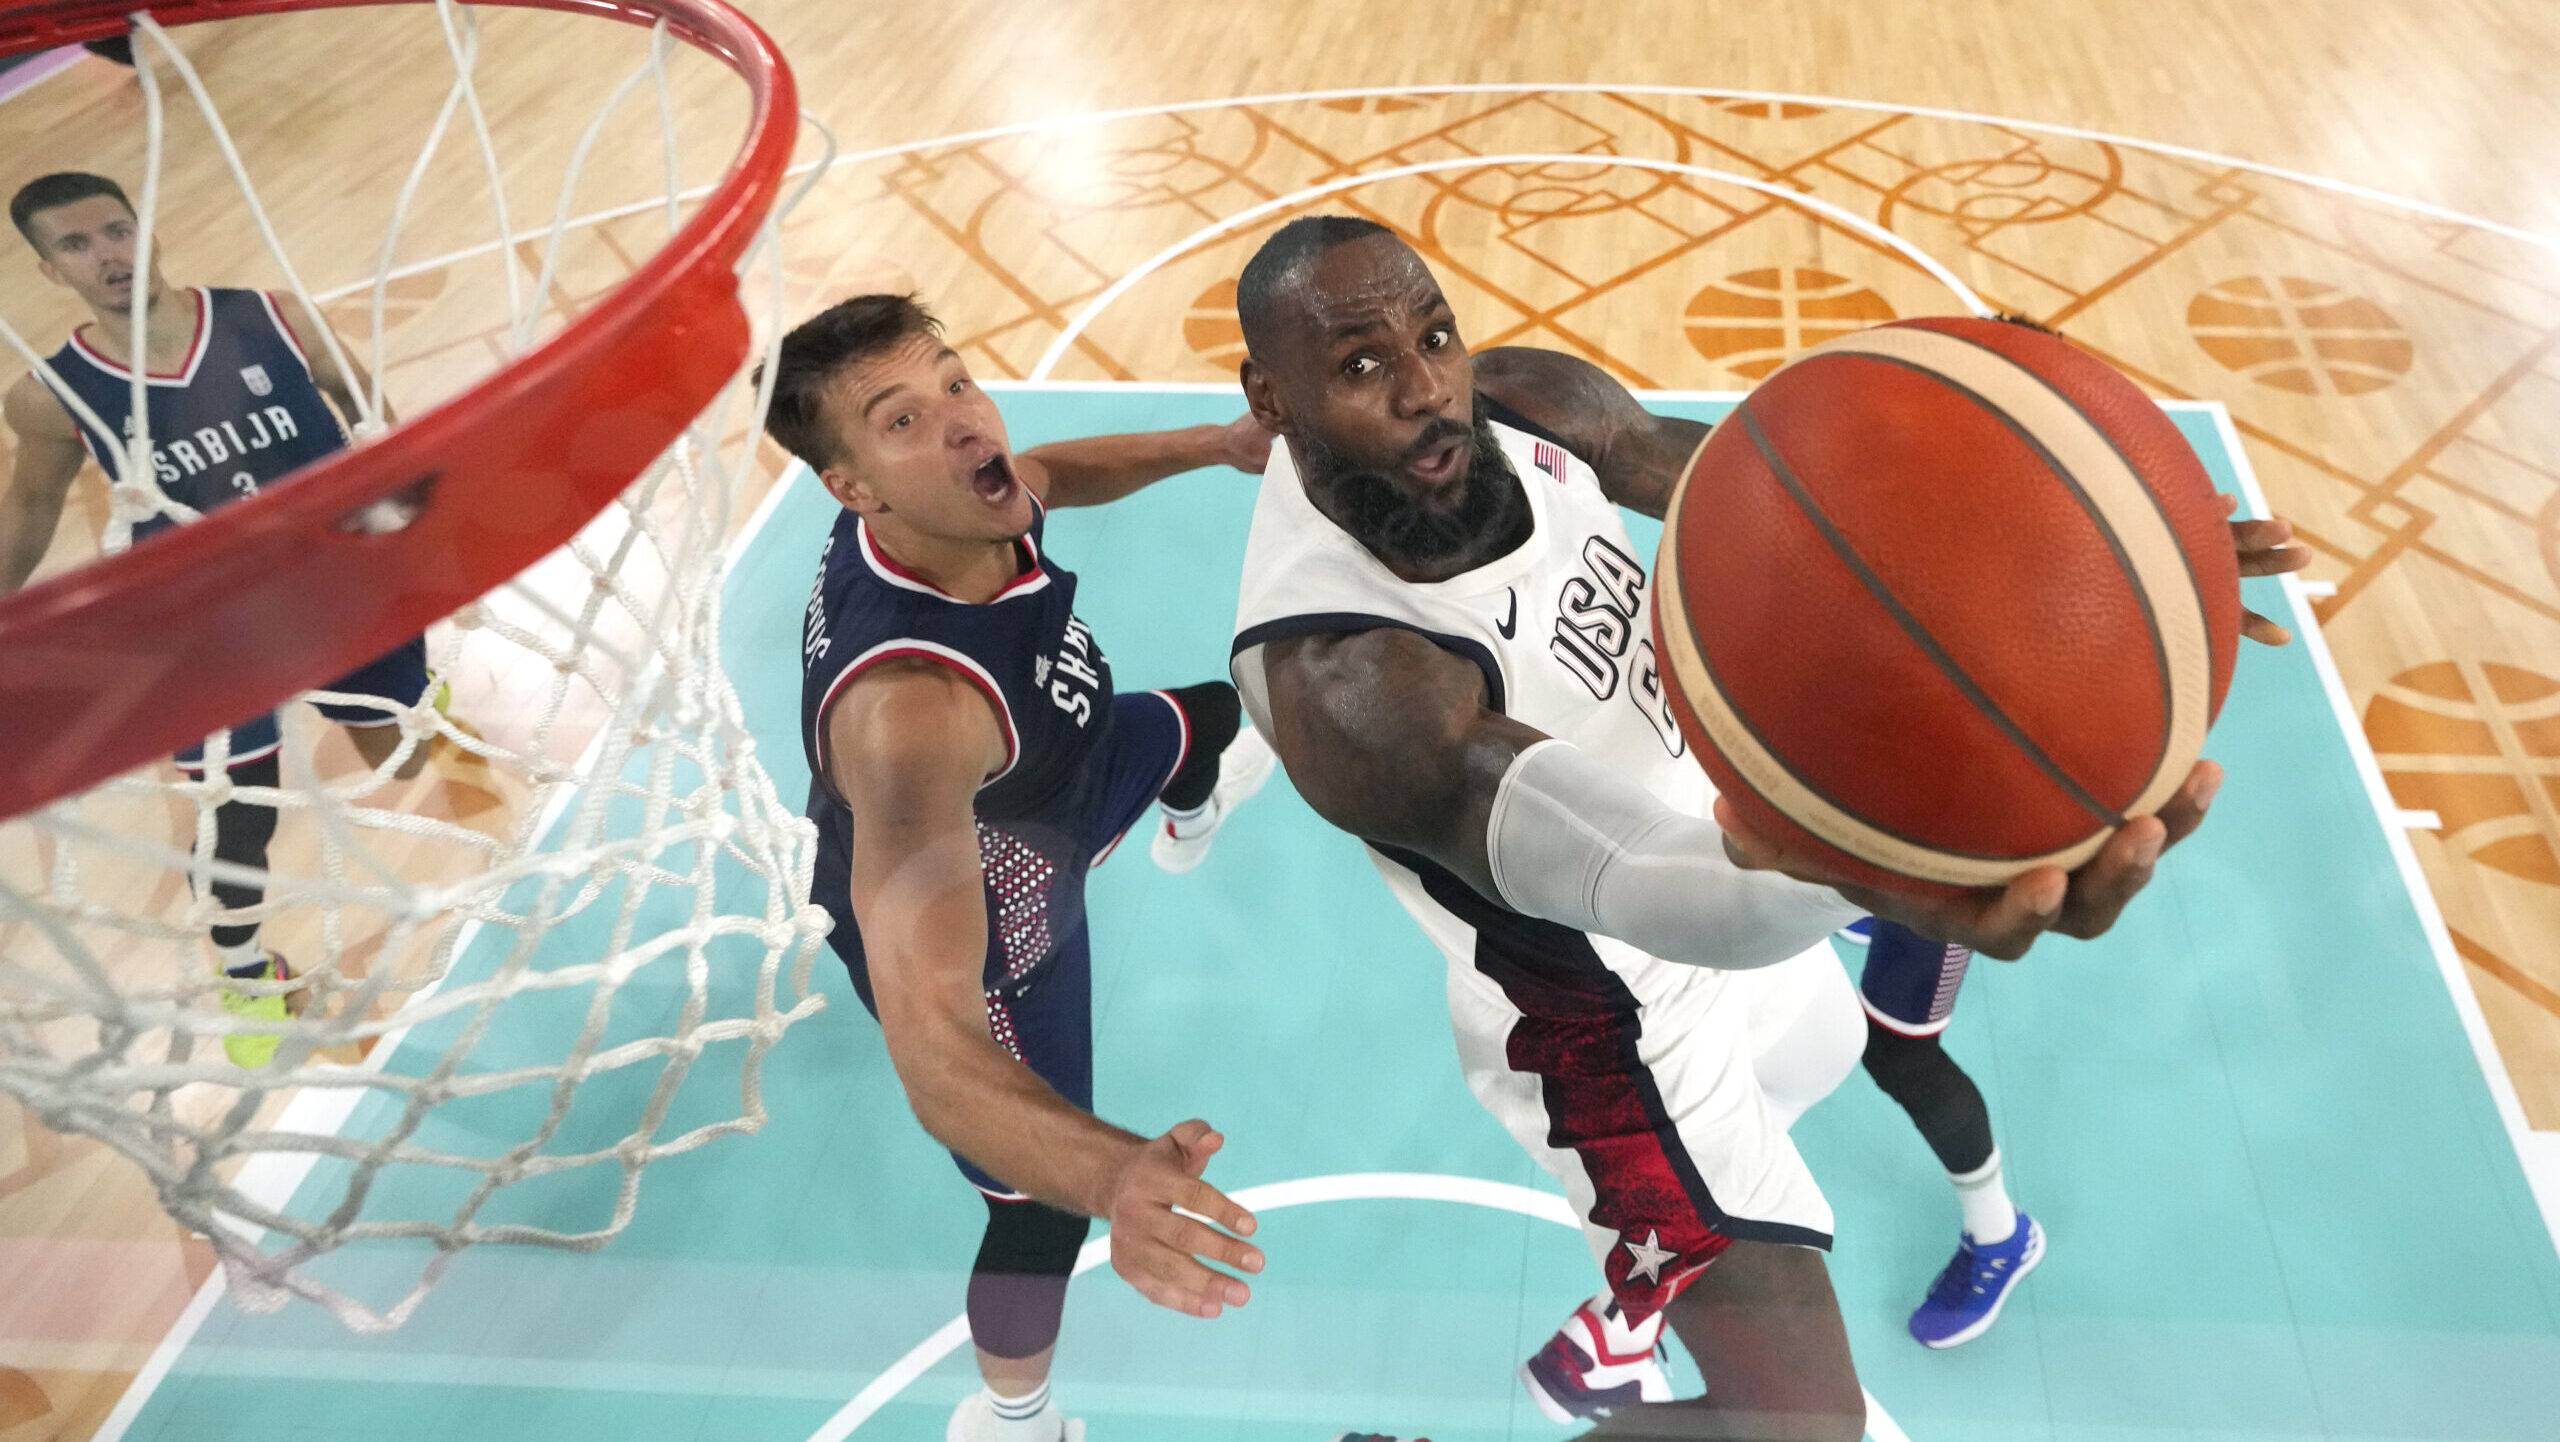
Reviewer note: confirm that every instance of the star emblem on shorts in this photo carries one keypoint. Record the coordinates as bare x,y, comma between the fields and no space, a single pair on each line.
1650,1254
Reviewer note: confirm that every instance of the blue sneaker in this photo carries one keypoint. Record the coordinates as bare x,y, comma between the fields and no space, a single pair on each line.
1858,932
1967,1296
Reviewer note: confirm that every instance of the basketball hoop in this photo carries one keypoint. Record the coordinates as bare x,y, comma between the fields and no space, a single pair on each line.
140,654
574,503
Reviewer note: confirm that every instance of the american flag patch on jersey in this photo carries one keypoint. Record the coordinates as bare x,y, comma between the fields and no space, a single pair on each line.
1547,458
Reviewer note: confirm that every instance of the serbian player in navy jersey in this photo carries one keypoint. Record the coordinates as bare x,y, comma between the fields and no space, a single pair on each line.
1440,627
239,389
970,762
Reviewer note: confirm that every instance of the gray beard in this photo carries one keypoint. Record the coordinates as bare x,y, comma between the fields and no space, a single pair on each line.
1492,517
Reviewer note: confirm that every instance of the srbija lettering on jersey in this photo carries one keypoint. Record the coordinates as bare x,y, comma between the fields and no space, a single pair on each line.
240,414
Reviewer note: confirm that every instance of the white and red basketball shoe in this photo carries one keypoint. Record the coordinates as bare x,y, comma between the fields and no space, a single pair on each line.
1595,1363
1243,767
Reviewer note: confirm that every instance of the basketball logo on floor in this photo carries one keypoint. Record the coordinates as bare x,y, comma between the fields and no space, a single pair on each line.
2304,336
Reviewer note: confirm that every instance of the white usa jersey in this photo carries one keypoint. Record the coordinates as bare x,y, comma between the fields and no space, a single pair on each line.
1649,1088
1562,626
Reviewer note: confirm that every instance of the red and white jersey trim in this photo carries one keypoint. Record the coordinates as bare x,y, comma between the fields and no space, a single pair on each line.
284,332
921,650
1033,578
195,347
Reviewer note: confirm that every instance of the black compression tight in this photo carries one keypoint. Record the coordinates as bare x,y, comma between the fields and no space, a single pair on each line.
1019,1287
1943,1102
1215,716
241,832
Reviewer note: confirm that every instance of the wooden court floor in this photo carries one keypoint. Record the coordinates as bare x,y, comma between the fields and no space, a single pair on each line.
2392,371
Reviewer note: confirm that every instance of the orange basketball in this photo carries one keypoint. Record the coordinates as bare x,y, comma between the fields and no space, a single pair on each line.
1945,600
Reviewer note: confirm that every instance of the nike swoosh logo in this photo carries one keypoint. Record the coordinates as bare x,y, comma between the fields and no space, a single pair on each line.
1510,622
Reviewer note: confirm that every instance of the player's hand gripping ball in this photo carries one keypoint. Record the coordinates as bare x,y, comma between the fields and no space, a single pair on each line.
1943,601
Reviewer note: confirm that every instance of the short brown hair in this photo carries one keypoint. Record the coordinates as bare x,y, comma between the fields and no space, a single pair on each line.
60,188
848,331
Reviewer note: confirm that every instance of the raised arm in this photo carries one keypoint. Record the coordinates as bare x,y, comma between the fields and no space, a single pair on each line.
1390,738
1099,469
49,457
907,749
344,388
1638,454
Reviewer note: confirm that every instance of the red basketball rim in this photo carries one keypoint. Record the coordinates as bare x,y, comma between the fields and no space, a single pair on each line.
138,655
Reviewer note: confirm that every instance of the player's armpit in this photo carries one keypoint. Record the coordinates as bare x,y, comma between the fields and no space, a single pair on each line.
1638,455
1388,736
907,749
344,388
49,456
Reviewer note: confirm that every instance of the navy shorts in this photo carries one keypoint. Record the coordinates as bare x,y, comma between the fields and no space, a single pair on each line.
1910,983
398,678
1043,1014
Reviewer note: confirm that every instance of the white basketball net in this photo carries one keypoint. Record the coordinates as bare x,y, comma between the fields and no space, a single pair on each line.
624,801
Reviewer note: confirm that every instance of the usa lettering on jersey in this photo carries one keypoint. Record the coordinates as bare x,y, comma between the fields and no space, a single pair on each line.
1595,624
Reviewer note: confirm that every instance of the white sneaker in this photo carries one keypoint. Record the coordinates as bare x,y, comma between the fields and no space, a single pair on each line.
975,1421
1576,1376
1242,769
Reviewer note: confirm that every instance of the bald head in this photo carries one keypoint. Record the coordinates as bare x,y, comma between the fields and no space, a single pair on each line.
1270,289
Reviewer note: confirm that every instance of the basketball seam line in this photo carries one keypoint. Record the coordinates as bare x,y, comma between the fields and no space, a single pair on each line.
2186,563
1733,714
1911,626
2088,507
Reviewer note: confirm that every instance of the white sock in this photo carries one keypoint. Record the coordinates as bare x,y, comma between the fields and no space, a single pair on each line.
1028,1418
236,960
1990,1218
1191,823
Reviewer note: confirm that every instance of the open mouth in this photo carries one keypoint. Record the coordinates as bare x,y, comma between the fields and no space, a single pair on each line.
993,480
1439,463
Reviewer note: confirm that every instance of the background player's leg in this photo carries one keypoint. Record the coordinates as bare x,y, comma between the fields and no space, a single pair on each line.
1018,1288
1226,763
1909,992
399,677
1765,1328
242,831
1017,1293
1947,1107
1214,716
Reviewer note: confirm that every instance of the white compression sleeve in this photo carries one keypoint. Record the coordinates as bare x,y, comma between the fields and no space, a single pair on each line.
1574,844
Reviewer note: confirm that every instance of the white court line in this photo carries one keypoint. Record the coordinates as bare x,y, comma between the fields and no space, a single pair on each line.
2537,1156
1699,92
1270,1197
1094,308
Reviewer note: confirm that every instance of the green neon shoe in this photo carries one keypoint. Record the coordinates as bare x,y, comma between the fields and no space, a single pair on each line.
256,1049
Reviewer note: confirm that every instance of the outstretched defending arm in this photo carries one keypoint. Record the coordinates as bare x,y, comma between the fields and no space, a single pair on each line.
907,749
49,456
1100,469
1388,737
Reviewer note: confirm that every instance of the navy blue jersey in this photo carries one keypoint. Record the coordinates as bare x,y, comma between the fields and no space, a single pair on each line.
241,413
1051,690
